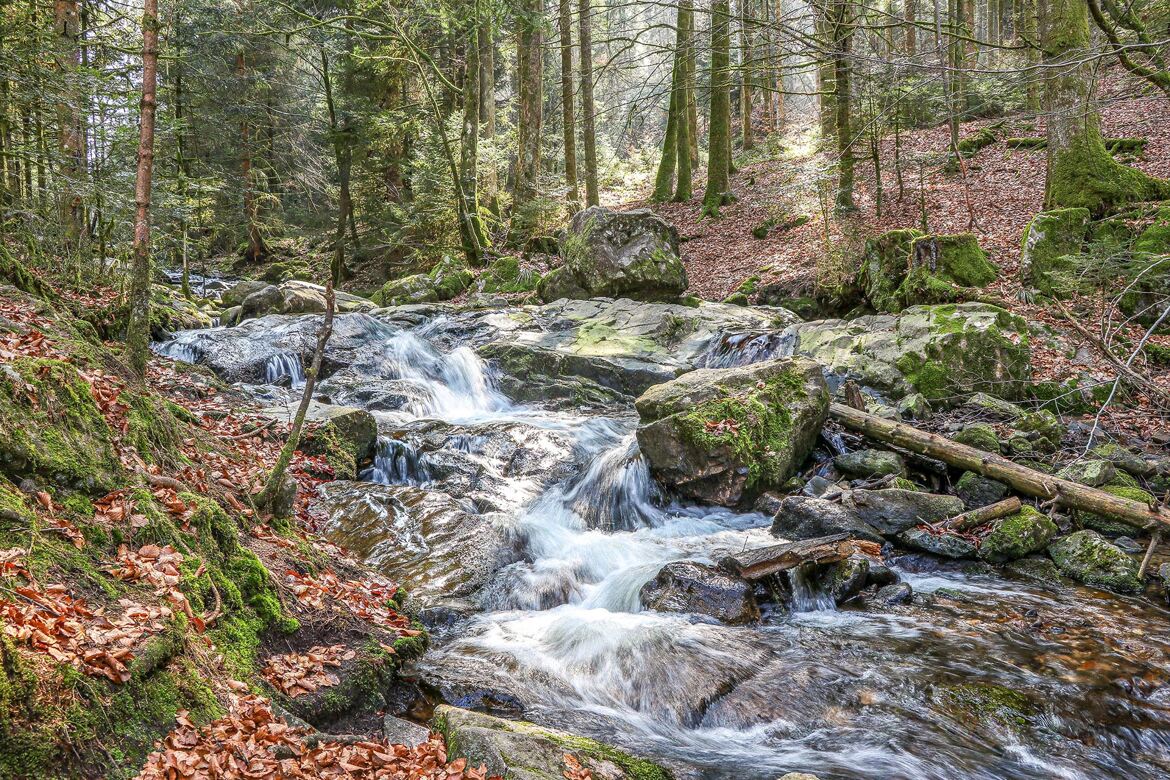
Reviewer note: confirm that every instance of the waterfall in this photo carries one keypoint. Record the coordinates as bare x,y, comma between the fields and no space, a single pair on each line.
397,462
178,349
283,365
451,386
741,349
807,593
617,492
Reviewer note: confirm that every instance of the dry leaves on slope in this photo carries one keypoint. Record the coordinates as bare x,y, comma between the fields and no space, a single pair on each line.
296,674
366,599
252,743
53,622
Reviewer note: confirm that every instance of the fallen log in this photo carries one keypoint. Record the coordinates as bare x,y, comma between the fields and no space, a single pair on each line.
761,562
981,515
1071,495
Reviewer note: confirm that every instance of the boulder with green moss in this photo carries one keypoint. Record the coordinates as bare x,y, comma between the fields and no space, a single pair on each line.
447,279
867,464
905,267
1112,526
1049,247
1088,558
1017,535
944,352
507,275
1126,460
517,750
1092,472
976,491
981,436
723,436
287,270
612,254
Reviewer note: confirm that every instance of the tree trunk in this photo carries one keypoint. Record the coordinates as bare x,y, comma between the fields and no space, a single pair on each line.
71,140
842,27
664,179
529,72
719,133
826,92
568,120
685,141
588,110
910,10
138,329
256,247
745,76
472,231
487,77
1080,172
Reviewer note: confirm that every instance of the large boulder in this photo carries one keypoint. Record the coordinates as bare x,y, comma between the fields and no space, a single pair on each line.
943,352
944,544
1049,247
723,436
685,586
594,349
632,254
516,750
1087,557
802,517
295,297
447,279
906,268
894,510
236,295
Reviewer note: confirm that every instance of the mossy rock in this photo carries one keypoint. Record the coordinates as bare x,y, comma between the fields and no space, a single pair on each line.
981,436
945,269
1015,536
988,703
1092,472
976,491
1112,526
451,277
51,427
507,275
1088,558
285,270
517,750
884,266
725,435
1048,249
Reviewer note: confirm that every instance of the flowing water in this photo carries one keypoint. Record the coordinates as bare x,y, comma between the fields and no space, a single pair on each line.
528,533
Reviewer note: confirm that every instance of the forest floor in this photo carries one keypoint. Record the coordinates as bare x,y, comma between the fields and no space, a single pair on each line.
1001,191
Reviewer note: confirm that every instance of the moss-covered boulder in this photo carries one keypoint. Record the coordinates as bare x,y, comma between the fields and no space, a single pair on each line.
516,750
630,254
1088,558
1112,526
1015,536
1092,472
447,279
346,437
1049,246
507,275
981,436
976,491
287,270
867,464
944,352
894,510
944,544
722,436
905,267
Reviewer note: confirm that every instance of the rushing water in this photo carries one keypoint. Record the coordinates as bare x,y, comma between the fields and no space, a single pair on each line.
986,675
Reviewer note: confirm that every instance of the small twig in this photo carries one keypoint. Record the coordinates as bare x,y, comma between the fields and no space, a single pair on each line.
251,433
1154,540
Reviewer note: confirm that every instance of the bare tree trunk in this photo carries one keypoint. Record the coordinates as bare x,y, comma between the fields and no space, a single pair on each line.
568,119
745,75
718,190
487,77
138,329
910,12
71,139
471,229
588,110
256,247
842,24
529,71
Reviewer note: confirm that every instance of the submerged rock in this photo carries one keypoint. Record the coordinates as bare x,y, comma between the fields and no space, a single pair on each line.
685,586
524,751
1087,557
943,352
898,593
802,517
724,435
632,254
1015,536
894,510
867,464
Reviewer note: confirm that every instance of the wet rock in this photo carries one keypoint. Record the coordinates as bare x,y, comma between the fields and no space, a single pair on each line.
1127,545
867,464
984,703
880,575
725,435
977,491
769,503
1036,569
818,486
685,586
894,510
1015,536
524,751
631,254
266,300
237,294
1164,576
1094,473
943,352
899,593
801,518
1087,557
397,731
947,545
798,776
845,579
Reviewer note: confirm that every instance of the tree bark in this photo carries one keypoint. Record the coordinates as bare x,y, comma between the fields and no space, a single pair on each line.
1024,480
71,140
568,119
472,231
588,110
487,77
842,24
719,132
1080,171
138,329
531,97
256,247
745,76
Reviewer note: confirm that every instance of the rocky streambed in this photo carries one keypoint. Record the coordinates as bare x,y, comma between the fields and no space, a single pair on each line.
566,559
